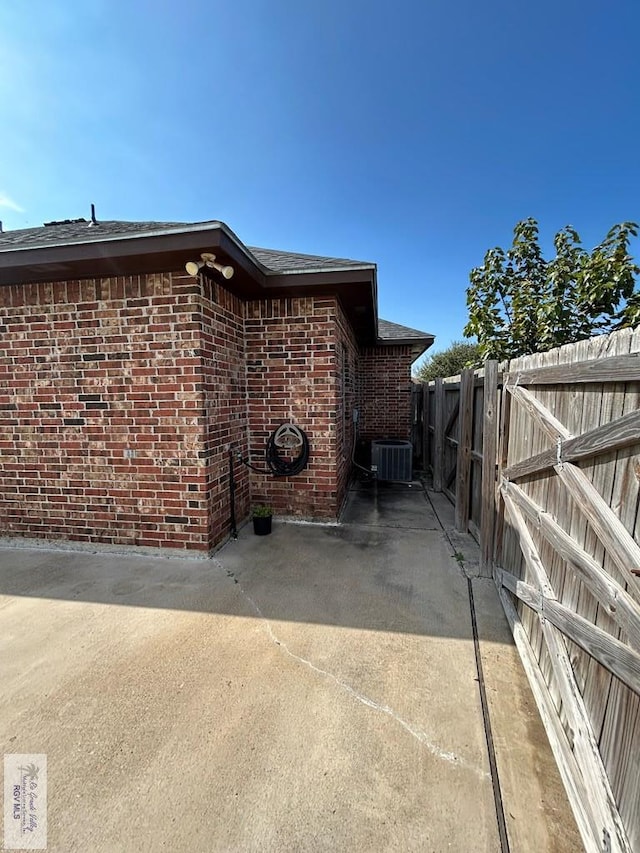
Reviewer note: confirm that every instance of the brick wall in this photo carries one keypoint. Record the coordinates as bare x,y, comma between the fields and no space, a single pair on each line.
225,390
120,397
347,399
291,377
385,392
101,412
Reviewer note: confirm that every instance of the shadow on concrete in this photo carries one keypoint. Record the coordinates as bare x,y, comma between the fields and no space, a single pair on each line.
388,566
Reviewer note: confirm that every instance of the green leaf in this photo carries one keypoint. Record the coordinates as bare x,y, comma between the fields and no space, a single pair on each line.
520,303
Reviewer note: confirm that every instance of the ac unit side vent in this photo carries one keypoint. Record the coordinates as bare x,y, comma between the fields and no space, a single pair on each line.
392,460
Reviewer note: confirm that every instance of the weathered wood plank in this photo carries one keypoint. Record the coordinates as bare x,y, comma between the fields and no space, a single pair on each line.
453,416
621,368
504,426
543,417
489,463
464,451
615,656
416,409
528,546
451,475
620,748
585,747
572,407
613,709
610,530
569,770
438,443
450,449
475,500
426,456
610,477
527,440
623,432
601,404
621,606
612,654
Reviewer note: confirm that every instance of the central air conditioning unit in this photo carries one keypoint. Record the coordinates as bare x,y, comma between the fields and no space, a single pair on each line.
391,460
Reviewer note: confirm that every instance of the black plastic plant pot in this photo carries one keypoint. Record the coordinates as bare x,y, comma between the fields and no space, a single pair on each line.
262,525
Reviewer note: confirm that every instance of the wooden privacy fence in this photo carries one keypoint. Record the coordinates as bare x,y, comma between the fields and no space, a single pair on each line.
448,438
547,476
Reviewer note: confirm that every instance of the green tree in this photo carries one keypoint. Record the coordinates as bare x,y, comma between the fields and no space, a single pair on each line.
449,362
520,303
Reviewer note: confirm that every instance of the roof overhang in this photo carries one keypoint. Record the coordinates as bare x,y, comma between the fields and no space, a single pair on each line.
127,255
355,288
169,250
418,345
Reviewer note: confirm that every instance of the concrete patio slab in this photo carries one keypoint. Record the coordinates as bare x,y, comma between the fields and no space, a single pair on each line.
537,812
400,505
307,691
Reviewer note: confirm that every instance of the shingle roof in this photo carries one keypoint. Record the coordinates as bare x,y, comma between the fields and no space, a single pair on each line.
388,331
80,231
283,262
84,231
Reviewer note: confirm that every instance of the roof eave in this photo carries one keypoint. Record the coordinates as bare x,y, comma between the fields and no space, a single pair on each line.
91,230
125,254
418,345
355,287
324,269
163,251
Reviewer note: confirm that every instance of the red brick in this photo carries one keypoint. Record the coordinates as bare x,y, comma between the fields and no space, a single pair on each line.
184,378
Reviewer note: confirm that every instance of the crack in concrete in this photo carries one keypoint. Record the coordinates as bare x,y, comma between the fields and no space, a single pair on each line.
418,734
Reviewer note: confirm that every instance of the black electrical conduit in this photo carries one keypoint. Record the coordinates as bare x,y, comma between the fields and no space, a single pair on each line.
356,418
232,498
277,467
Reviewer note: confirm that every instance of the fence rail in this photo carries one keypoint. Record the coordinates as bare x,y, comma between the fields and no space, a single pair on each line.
541,457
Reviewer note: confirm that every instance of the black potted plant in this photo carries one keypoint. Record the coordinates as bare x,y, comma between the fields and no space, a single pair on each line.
262,515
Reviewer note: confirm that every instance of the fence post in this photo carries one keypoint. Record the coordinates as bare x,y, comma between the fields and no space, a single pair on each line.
415,419
438,436
504,428
489,463
465,438
425,427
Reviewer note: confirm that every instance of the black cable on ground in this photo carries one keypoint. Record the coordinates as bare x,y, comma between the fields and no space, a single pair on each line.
493,764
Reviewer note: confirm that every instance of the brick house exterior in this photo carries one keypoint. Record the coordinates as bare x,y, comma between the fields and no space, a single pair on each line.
124,381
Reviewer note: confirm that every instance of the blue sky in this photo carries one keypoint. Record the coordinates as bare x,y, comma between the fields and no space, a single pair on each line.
412,134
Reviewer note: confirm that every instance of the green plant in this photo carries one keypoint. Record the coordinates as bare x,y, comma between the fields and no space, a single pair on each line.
261,511
520,303
449,361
